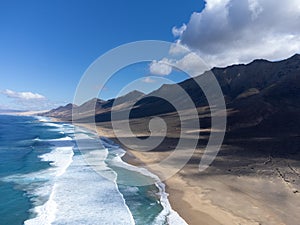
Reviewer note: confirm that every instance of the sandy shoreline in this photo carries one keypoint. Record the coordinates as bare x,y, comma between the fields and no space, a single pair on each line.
218,196
27,113
229,198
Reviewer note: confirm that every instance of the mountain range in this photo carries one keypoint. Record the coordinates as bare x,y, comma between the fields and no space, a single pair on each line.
263,119
262,94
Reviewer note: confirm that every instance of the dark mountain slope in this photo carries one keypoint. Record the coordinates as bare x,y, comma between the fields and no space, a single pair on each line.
256,94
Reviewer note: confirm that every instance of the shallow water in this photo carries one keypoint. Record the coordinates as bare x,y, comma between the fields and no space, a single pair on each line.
45,179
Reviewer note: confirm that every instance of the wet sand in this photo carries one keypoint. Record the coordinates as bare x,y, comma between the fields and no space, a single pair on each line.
230,194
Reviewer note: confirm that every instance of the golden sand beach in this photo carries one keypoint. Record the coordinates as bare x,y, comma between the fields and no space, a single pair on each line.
230,194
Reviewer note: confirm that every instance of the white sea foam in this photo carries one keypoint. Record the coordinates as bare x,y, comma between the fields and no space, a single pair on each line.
60,158
53,124
42,118
78,195
45,213
72,192
167,213
41,185
171,215
85,197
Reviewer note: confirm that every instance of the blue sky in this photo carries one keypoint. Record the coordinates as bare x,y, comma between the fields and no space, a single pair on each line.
45,46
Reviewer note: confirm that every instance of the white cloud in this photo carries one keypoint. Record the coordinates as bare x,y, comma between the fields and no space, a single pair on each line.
161,67
238,31
28,101
255,8
148,80
23,95
178,49
192,64
189,62
178,31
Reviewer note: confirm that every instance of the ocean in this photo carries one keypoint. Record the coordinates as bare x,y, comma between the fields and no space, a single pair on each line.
44,179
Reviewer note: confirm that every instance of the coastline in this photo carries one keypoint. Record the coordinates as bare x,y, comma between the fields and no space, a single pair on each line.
228,198
179,195
189,200
132,159
218,196
26,113
104,180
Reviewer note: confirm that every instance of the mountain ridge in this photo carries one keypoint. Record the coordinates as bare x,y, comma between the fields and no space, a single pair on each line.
254,92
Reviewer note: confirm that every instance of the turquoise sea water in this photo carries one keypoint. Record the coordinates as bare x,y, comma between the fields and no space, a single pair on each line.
45,180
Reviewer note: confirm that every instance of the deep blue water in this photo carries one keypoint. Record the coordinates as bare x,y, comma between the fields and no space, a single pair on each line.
44,179
19,150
